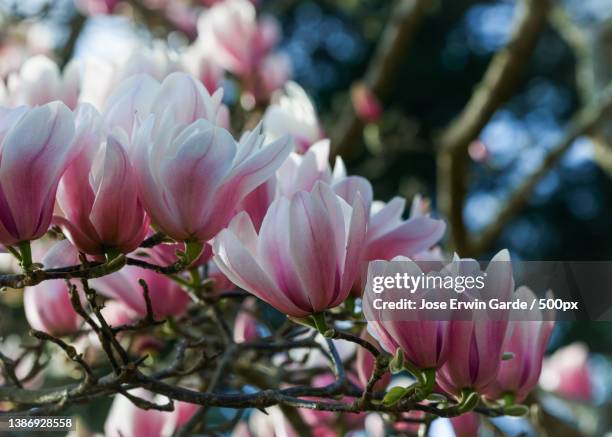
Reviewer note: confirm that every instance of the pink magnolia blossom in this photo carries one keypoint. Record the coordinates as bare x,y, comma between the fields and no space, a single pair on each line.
566,373
366,104
274,72
365,365
237,38
36,147
390,236
245,324
98,193
204,67
292,113
93,7
101,79
191,173
297,173
476,346
466,425
40,81
167,297
47,305
127,420
424,342
527,342
48,308
298,272
326,423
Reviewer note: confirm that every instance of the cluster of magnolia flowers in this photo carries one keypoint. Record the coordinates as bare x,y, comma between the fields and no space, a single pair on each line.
266,212
232,42
116,156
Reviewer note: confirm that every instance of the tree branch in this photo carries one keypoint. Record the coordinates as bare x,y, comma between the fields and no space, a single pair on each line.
583,123
404,20
498,83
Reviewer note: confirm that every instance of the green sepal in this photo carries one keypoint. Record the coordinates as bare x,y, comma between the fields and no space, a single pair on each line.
192,252
320,323
469,400
394,395
516,410
396,365
304,321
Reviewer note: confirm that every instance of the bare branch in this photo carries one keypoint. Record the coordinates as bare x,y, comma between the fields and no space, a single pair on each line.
583,123
499,81
404,20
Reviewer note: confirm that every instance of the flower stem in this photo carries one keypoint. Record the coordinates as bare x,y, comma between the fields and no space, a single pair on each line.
320,322
26,256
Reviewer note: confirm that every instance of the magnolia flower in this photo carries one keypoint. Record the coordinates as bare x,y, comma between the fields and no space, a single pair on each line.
203,66
40,81
566,373
297,173
306,255
47,305
293,113
93,7
127,420
98,193
167,297
238,40
190,179
424,342
101,79
245,324
36,147
364,365
366,104
527,343
12,347
323,423
274,72
48,308
476,346
390,236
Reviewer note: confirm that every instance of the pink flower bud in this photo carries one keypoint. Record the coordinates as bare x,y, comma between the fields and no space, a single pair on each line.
245,325
366,104
424,342
98,193
478,151
167,297
36,148
527,343
275,70
48,308
365,365
567,374
238,40
476,346
93,7
127,420
299,273
40,81
293,114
